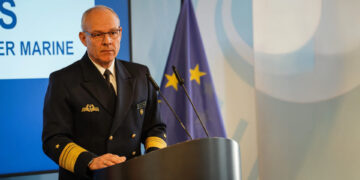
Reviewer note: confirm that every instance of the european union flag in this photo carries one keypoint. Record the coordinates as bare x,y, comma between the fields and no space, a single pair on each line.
188,56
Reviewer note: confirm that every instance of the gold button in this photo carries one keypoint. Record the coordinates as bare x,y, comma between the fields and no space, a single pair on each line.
57,146
111,138
133,153
133,135
164,135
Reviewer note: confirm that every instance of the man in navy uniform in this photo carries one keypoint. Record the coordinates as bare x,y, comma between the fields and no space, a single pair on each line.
99,110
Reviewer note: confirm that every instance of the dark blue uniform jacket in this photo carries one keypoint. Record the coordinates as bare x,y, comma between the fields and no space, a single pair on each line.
83,119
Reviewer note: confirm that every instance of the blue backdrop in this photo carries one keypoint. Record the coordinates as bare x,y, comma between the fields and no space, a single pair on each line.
21,98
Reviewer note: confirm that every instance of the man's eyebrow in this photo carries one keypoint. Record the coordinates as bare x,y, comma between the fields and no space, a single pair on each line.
112,29
96,32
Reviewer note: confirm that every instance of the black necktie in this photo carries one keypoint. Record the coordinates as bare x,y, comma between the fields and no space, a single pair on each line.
107,74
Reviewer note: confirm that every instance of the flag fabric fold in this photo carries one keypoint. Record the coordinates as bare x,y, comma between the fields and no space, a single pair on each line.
188,56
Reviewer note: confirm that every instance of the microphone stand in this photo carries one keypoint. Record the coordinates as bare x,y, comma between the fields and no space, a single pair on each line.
167,103
181,82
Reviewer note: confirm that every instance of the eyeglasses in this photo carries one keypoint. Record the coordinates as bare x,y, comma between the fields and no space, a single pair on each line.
100,35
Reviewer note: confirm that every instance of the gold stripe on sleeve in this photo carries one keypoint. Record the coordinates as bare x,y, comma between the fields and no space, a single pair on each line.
154,141
65,153
69,156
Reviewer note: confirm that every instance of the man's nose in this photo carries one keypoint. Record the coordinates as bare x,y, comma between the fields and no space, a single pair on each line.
106,39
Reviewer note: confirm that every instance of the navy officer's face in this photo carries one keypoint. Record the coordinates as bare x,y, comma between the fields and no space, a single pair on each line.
101,40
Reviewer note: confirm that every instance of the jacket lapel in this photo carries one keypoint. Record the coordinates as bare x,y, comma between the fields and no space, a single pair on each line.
95,84
125,86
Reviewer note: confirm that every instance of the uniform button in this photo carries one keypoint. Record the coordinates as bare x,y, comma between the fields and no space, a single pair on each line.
133,153
164,135
111,138
57,146
133,135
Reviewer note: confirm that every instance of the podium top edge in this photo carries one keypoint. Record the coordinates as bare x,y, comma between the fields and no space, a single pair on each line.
204,139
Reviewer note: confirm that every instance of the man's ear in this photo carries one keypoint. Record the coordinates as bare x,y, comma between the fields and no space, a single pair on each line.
82,38
120,33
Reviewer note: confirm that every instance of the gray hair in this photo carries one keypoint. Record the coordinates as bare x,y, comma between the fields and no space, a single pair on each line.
87,12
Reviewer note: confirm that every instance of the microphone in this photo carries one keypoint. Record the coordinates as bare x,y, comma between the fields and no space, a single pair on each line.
181,82
168,105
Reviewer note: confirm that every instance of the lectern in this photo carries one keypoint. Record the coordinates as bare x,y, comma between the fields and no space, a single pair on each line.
201,159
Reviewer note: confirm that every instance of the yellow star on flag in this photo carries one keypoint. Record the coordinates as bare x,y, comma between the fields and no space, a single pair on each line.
195,74
172,81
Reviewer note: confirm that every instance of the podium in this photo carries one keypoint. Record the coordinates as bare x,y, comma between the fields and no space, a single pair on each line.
201,159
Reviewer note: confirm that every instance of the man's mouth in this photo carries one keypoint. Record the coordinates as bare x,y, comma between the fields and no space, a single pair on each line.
107,51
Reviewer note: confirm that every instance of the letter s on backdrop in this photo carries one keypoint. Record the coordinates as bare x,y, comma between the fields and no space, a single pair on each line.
9,13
